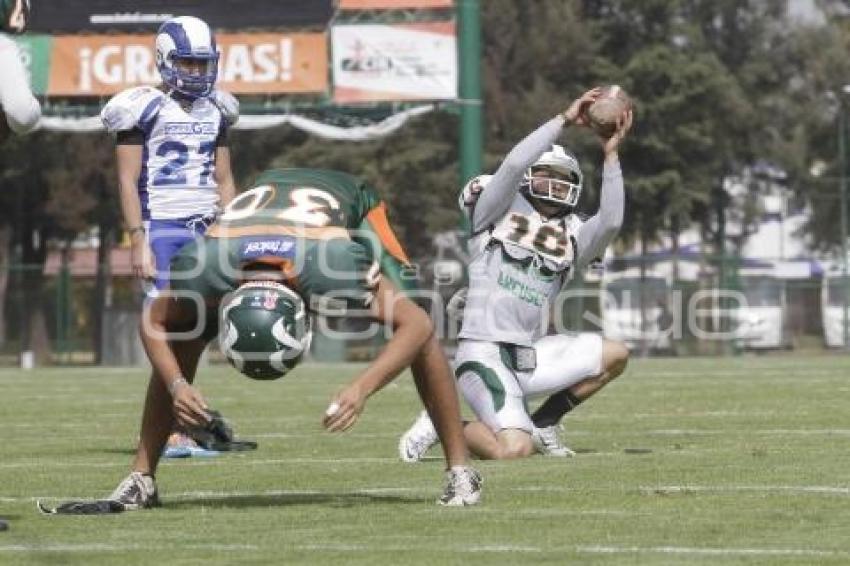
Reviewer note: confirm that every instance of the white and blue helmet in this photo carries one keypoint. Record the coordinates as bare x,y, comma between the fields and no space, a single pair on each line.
187,39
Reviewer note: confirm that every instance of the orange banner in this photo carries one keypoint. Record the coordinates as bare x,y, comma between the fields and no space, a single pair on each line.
393,4
250,63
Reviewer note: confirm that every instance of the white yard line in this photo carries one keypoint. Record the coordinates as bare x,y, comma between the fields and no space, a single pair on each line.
192,495
424,490
98,547
230,460
252,435
671,489
581,549
702,414
762,432
754,374
107,440
247,461
817,489
442,548
501,548
491,548
698,551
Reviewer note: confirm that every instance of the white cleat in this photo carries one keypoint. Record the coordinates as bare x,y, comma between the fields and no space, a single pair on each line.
414,443
463,487
136,491
548,442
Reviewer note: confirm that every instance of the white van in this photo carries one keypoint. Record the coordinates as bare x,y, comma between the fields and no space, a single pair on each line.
621,296
833,292
760,317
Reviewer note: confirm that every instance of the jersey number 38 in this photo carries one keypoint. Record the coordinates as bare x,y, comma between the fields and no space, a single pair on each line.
548,240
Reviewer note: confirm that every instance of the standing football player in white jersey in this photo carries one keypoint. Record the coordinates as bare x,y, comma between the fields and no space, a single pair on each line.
173,156
19,110
526,243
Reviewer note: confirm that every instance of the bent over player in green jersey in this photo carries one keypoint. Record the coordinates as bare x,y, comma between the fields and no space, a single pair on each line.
300,240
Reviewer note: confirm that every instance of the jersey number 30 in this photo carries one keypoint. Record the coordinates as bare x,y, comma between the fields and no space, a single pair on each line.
309,206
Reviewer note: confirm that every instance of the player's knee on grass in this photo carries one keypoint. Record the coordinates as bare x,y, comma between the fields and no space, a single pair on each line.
615,356
514,443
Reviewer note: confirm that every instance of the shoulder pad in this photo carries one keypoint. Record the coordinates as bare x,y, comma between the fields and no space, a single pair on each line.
134,107
472,190
227,104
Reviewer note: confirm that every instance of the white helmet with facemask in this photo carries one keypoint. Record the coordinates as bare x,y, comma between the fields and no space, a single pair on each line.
187,39
563,187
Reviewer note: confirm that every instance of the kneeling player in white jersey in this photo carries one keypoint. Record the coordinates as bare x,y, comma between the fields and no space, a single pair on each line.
526,243
173,156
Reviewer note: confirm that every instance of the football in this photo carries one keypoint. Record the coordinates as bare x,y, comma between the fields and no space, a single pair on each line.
604,113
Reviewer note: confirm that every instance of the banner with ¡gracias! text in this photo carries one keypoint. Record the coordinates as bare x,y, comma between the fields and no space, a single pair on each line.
250,63
394,62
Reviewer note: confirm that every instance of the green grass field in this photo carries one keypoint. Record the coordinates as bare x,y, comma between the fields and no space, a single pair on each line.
739,461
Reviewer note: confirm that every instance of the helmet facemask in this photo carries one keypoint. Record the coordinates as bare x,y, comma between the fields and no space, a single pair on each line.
194,76
554,181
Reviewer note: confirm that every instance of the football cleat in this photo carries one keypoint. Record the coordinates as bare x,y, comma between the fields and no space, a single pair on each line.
548,443
180,445
4,526
463,487
414,443
136,491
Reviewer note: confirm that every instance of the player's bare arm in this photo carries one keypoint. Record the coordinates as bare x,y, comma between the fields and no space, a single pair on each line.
129,159
224,176
164,315
411,330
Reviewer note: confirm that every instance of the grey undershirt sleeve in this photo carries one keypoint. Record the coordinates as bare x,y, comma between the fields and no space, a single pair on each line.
595,234
496,199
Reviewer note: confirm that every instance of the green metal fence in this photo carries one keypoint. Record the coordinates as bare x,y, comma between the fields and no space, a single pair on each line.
65,318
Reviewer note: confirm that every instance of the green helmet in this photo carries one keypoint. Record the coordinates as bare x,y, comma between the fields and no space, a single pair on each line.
14,15
264,329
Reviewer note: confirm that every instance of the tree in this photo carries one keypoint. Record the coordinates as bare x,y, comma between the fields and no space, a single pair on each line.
56,186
